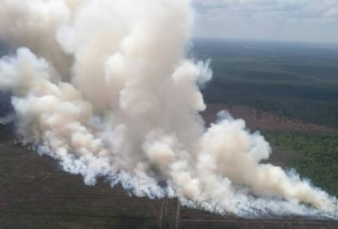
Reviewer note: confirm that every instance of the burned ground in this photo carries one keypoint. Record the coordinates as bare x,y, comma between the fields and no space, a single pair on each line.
35,193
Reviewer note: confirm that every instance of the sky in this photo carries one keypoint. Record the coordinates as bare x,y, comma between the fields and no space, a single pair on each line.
276,20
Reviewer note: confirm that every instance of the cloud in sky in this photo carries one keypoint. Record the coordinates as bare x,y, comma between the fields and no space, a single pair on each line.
296,20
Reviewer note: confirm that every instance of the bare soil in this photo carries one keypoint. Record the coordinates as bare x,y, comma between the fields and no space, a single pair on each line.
265,121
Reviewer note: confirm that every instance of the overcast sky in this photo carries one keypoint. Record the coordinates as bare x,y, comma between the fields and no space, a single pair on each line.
291,20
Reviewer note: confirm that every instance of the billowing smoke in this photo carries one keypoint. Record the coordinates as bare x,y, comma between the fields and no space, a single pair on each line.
104,87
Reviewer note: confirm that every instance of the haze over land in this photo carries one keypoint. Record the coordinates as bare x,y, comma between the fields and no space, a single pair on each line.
104,87
276,20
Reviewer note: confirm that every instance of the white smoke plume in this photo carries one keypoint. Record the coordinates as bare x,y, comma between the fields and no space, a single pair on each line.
104,87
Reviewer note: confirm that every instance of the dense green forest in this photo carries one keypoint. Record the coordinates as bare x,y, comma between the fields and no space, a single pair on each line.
316,156
289,79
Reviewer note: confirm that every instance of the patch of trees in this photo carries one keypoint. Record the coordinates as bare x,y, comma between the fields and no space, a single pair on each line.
311,103
316,158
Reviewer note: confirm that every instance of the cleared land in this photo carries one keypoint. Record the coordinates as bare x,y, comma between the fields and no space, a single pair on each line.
265,121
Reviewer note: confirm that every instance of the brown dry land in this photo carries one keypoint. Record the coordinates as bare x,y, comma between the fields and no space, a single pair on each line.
36,194
265,121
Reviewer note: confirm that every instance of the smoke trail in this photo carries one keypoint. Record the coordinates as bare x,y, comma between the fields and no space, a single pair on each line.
103,86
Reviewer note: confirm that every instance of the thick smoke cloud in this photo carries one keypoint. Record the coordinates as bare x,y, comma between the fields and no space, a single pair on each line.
103,86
